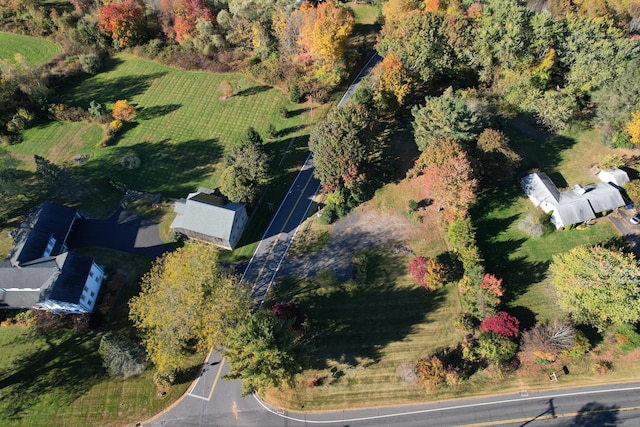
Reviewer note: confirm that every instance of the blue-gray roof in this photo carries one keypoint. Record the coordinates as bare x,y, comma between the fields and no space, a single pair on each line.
49,219
70,283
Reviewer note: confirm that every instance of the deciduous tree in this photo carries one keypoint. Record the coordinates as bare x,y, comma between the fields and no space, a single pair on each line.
452,186
185,298
597,285
503,324
496,348
633,127
123,111
124,22
392,82
325,31
264,351
340,146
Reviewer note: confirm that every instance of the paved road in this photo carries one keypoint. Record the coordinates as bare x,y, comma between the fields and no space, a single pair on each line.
354,85
277,239
123,231
610,405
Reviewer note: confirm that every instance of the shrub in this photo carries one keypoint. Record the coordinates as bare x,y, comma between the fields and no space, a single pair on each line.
90,63
284,112
65,113
581,346
44,322
121,356
271,131
503,324
413,205
130,161
291,311
80,323
329,214
294,93
96,109
465,323
225,89
495,347
431,372
114,127
163,379
601,367
627,338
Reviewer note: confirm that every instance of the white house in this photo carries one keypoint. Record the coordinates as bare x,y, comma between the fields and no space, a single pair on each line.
206,215
578,205
615,175
41,273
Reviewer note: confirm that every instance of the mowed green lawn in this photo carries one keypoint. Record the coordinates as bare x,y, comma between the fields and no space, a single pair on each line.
363,332
181,131
59,379
35,50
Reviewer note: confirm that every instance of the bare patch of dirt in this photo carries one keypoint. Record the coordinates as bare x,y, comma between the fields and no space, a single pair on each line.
367,226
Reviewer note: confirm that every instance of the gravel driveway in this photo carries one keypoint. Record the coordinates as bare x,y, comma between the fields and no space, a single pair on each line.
363,228
123,231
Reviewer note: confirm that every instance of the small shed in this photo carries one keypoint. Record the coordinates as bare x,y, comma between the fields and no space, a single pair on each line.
206,215
615,175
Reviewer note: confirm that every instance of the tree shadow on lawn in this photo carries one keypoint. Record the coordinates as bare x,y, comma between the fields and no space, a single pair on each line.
253,90
289,130
66,368
352,323
155,111
517,273
109,90
166,167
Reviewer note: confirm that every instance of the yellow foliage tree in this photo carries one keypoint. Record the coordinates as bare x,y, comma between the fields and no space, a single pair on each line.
123,111
391,78
633,127
185,298
324,31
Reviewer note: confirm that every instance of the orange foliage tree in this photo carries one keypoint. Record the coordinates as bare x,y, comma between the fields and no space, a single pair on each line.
123,22
179,17
452,186
124,111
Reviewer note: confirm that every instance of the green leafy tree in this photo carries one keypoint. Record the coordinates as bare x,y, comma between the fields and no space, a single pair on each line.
619,97
591,52
496,348
598,286
185,298
502,38
264,351
445,116
340,146
420,43
247,167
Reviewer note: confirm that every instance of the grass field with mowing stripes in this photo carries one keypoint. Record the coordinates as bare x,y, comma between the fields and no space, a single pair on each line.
35,50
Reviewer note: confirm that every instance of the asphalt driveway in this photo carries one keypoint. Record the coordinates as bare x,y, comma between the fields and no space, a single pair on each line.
123,231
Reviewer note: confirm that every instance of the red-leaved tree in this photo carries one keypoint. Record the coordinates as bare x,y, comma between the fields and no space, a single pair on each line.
452,186
503,324
428,272
180,17
291,310
123,22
